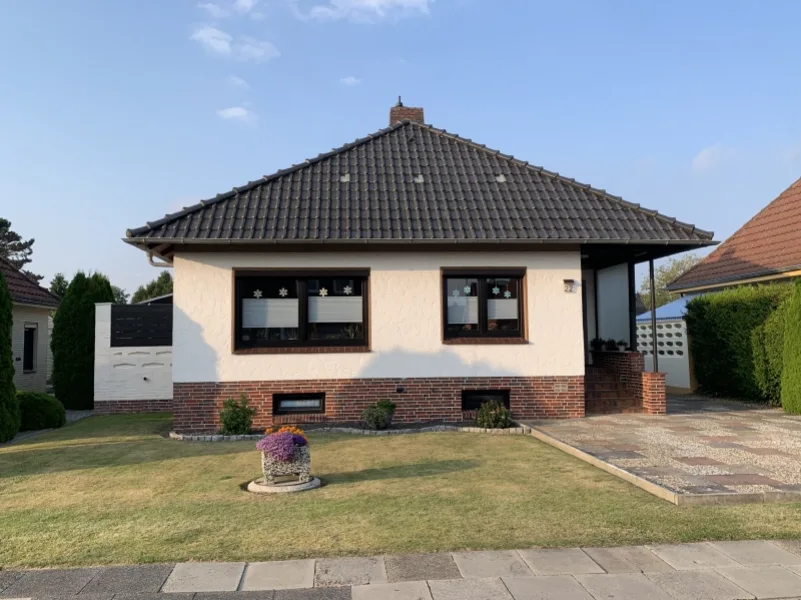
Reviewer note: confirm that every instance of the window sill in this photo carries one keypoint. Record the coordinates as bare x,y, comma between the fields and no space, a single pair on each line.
488,341
27,372
306,350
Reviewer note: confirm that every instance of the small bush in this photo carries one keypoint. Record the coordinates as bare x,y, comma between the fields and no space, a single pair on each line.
40,411
9,405
387,405
791,373
236,417
493,415
376,417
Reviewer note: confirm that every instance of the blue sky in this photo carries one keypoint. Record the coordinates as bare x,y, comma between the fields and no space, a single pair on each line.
115,113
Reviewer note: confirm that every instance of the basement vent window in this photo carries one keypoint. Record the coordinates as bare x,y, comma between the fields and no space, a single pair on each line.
473,399
293,404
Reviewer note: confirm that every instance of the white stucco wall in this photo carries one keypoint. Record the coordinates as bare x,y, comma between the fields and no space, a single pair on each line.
405,319
612,296
129,373
35,381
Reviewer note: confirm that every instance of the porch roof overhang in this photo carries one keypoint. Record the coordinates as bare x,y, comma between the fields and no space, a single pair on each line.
595,253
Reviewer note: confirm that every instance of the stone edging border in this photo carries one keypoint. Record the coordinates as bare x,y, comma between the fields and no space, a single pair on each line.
520,430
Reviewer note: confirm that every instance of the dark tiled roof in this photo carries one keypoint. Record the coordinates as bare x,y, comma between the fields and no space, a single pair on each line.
770,243
25,290
414,183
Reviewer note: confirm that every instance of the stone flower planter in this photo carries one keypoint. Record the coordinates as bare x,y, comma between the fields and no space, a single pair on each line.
300,465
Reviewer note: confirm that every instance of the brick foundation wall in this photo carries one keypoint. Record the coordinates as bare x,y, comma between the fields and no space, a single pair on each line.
647,387
115,407
196,406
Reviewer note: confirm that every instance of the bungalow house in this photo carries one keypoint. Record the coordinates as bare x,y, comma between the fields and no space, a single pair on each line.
766,249
30,331
411,264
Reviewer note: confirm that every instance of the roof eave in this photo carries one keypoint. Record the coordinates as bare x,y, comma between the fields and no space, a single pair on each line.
741,278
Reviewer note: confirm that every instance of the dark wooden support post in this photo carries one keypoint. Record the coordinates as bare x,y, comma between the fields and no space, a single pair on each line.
654,347
632,310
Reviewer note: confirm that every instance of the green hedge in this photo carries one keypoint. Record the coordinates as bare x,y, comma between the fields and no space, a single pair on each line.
9,407
768,345
40,411
723,327
791,373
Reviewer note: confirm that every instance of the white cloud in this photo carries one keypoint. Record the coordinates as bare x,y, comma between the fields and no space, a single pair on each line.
236,113
214,10
256,50
213,39
238,82
362,10
350,80
244,48
712,157
244,6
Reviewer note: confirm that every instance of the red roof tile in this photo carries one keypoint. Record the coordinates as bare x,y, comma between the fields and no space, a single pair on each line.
25,290
769,243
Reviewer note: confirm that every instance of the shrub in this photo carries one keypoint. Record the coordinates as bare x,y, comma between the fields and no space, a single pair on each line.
376,417
768,346
721,330
73,340
791,373
40,411
9,406
236,417
493,415
387,405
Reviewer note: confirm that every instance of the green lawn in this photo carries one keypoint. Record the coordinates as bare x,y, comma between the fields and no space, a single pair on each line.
114,490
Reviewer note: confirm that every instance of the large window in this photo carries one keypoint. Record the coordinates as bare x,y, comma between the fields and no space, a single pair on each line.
481,305
286,310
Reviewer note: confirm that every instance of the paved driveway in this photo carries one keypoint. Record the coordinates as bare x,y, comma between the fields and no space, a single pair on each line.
721,451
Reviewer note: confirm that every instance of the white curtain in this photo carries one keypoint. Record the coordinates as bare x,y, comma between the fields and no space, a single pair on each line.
462,310
502,309
269,312
338,309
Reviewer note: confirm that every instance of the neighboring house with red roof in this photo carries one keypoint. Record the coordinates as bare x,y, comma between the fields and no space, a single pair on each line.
30,332
767,248
412,264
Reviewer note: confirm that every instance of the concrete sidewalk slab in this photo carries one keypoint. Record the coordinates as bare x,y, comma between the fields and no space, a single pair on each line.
697,585
623,586
421,567
9,577
559,561
469,589
549,587
332,593
263,595
50,582
764,582
338,572
135,579
628,559
152,596
204,577
403,590
491,564
692,556
756,553
282,575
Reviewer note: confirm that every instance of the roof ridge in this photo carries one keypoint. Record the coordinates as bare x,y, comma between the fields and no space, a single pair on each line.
726,244
188,210
570,181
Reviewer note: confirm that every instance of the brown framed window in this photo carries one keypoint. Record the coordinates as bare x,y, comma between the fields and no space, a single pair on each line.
300,309
482,304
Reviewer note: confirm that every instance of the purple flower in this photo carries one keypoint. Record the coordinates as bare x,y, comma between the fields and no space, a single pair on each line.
281,446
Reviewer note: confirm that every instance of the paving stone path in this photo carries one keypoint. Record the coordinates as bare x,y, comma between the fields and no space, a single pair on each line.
711,571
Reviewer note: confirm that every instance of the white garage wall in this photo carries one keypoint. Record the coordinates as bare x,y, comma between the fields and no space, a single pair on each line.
613,303
405,319
135,373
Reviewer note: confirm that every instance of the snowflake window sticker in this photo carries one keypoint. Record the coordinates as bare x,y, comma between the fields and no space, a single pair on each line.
283,292
348,290
507,294
257,293
496,290
323,292
467,289
455,293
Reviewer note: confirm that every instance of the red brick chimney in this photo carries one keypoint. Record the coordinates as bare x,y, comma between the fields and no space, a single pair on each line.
399,112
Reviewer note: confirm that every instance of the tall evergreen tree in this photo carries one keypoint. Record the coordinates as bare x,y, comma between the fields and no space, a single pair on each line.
73,340
59,285
9,405
15,249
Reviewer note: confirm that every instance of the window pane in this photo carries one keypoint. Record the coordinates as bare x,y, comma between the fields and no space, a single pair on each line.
336,309
502,304
462,298
269,309
29,349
